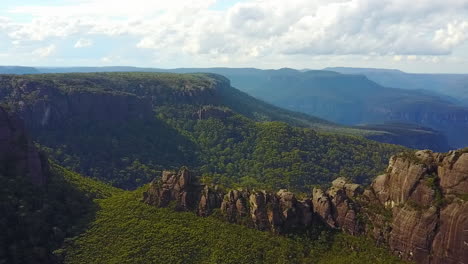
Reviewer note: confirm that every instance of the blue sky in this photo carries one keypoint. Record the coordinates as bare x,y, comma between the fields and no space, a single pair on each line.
431,36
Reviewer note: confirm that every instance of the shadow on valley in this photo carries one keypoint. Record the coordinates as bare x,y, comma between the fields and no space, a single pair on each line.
126,155
39,219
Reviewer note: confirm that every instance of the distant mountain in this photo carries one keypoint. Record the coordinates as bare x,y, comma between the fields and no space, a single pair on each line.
350,99
350,70
454,85
17,70
410,135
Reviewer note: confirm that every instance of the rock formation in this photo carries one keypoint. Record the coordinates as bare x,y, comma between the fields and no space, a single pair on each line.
277,212
418,208
206,112
18,155
427,195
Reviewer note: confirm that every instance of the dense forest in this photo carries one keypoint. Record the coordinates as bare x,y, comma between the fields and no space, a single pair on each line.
74,219
124,128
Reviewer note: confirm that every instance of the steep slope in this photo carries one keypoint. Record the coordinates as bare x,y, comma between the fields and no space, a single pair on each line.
66,218
419,207
40,205
125,128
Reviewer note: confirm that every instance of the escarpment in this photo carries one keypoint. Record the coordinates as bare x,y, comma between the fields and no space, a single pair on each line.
45,105
18,155
418,208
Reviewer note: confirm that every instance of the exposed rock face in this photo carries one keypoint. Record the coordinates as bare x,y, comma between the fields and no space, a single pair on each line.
277,212
18,155
418,208
450,244
426,193
412,233
175,187
42,105
336,206
212,112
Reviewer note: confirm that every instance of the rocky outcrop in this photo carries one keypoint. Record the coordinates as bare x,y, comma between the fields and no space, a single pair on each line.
426,193
177,188
418,208
276,212
336,206
207,112
18,155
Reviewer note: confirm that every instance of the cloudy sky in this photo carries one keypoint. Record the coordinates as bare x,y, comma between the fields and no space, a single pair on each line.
415,36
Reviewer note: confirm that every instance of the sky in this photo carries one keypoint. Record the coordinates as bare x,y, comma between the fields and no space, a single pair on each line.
414,36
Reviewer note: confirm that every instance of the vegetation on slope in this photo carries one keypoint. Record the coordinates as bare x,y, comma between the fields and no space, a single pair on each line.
237,151
102,224
230,148
128,231
35,220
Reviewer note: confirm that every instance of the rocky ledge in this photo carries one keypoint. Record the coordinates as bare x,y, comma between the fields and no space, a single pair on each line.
418,208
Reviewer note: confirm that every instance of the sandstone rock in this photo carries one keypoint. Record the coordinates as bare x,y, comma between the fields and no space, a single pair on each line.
234,205
211,198
416,208
453,173
429,222
412,233
450,245
402,177
323,207
423,195
179,188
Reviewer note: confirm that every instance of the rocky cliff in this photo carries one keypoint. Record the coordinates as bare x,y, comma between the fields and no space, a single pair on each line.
18,155
418,208
44,104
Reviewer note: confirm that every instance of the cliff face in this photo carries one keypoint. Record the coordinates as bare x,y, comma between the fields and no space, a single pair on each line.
18,155
427,194
275,212
45,105
418,208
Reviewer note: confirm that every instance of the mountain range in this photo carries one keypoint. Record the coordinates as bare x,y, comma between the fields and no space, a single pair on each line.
227,208
327,95
453,85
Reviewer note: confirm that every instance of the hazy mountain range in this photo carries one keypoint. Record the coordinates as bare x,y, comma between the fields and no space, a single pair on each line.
352,98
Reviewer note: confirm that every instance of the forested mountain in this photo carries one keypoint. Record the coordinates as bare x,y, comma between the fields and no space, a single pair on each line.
453,85
51,215
351,99
126,127
332,104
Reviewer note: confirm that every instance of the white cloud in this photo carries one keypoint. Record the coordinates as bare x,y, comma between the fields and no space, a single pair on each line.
249,31
83,43
45,51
